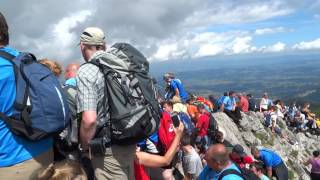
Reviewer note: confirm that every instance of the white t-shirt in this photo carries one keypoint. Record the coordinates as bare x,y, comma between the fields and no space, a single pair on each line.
192,164
264,103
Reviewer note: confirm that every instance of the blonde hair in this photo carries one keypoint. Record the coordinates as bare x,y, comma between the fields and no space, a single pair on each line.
54,66
64,170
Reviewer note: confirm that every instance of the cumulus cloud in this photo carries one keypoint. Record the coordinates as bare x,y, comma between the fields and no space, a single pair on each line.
161,29
308,45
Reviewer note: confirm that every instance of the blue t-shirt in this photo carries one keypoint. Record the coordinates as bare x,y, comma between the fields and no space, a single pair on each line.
221,99
270,158
208,174
228,103
14,149
71,82
176,84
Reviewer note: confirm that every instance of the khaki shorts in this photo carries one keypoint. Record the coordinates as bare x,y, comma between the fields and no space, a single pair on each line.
27,169
117,163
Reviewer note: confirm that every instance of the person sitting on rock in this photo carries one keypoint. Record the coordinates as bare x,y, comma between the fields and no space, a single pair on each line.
299,121
175,87
273,163
309,116
243,103
229,107
265,103
239,157
257,169
221,99
218,161
252,103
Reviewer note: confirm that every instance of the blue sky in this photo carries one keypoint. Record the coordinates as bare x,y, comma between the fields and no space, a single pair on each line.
165,29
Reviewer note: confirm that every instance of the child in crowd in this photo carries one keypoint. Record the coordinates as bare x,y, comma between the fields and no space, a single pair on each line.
257,169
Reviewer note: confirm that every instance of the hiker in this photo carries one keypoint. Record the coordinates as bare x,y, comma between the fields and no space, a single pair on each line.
166,135
110,161
178,106
175,87
299,121
239,157
193,110
315,163
257,169
20,158
229,107
191,161
202,125
218,138
272,161
280,109
265,103
217,162
309,116
252,103
214,102
145,159
54,66
71,73
221,99
243,103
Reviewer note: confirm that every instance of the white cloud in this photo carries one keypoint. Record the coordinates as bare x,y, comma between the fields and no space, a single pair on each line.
165,52
277,47
271,30
242,45
209,50
307,45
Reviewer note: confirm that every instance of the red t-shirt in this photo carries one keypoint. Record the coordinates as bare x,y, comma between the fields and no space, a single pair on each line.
242,162
203,124
166,133
244,104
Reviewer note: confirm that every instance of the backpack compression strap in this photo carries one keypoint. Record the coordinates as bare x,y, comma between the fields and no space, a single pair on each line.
228,172
23,107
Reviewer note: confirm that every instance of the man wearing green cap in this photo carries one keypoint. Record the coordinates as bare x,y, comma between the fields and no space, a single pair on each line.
113,161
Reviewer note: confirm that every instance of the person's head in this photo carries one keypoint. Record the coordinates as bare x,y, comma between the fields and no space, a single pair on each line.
217,157
316,153
176,99
239,95
265,95
218,137
186,140
71,70
54,66
232,94
4,31
249,95
257,168
64,170
92,40
272,108
298,113
255,152
167,106
167,77
238,152
225,94
201,108
306,105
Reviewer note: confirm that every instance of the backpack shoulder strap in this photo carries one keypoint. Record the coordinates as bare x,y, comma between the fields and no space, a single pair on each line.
7,56
228,172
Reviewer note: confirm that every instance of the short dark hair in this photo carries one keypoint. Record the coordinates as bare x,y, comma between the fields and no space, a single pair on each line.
218,136
186,140
4,31
169,103
316,153
249,95
231,92
201,106
257,165
225,93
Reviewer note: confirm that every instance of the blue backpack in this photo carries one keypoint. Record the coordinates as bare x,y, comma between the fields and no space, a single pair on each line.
186,120
40,108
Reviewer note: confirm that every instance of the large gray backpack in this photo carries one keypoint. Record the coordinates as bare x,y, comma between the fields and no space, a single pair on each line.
133,108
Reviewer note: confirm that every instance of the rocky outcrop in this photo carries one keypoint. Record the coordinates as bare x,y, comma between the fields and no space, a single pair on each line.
294,148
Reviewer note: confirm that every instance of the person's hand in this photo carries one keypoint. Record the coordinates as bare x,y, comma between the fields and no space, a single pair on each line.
179,130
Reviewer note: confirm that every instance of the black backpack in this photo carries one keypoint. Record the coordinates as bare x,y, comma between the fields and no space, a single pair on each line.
213,126
245,174
131,93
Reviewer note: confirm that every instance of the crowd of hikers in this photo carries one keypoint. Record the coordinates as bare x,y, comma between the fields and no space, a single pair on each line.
109,121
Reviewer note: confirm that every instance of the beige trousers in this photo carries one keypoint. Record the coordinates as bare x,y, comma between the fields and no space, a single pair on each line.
117,163
27,170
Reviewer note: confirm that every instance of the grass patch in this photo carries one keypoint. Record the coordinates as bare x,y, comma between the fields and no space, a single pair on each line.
290,174
281,125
